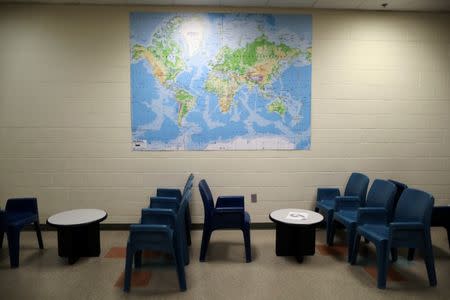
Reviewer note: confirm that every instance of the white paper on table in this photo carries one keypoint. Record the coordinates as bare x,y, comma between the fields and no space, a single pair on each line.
292,215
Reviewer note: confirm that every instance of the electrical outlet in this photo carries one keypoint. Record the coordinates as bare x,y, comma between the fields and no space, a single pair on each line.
254,198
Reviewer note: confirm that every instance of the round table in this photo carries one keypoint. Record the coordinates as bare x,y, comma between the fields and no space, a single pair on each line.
295,232
78,232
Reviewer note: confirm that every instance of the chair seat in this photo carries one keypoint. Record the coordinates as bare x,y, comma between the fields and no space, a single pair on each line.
230,221
346,217
326,204
20,218
156,241
374,232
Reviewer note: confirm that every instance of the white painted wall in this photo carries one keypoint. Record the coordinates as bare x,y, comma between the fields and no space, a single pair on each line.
380,105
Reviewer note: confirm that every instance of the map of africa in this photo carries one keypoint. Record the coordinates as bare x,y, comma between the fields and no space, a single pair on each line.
215,81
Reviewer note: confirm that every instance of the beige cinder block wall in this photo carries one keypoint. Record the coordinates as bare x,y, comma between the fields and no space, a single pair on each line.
380,105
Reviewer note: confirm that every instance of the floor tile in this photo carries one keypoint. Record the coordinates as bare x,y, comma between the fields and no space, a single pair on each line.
393,275
138,279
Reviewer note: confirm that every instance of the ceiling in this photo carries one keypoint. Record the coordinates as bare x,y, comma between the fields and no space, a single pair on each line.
397,5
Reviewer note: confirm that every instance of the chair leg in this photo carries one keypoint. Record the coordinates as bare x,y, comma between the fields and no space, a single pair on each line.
128,267
429,262
2,233
330,227
180,270
331,230
394,254
382,263
13,235
188,226
355,248
184,246
350,241
411,253
248,248
205,241
37,228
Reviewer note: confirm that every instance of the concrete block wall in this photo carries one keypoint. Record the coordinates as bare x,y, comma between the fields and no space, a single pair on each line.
380,105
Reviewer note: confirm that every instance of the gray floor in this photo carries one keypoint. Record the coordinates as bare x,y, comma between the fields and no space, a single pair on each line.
225,275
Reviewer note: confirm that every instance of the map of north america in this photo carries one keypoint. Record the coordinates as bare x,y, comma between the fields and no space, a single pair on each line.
220,81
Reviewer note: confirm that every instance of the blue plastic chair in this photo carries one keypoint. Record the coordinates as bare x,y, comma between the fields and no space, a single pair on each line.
170,197
229,213
161,229
18,213
410,228
439,217
356,188
381,194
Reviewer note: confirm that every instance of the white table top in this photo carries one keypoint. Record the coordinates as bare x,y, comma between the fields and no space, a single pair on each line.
77,217
296,216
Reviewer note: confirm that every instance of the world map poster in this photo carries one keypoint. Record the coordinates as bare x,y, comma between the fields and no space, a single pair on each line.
216,81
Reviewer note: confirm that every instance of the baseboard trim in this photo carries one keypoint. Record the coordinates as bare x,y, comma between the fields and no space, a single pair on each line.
126,226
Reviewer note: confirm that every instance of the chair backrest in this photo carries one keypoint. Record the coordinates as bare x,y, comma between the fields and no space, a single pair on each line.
414,206
189,183
183,204
357,186
381,194
181,219
22,205
207,198
400,188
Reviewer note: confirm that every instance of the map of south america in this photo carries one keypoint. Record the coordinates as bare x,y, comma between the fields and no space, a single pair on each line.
220,81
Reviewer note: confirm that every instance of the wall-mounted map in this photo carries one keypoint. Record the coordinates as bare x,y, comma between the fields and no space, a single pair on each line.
220,81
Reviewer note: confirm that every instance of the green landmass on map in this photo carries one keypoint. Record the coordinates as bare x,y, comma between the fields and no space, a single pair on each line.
277,106
256,64
163,54
186,103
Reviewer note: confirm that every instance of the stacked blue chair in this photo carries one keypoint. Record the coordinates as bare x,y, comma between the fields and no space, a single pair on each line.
229,213
170,197
356,188
174,204
161,229
18,213
410,229
381,194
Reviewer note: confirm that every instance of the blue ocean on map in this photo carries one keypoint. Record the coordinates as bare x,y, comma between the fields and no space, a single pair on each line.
220,81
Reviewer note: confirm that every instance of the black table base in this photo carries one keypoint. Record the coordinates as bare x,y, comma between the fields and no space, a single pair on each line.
295,240
79,241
